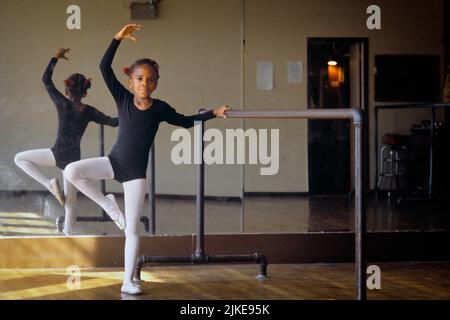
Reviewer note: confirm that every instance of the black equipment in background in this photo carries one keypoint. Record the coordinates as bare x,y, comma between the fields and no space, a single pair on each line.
407,78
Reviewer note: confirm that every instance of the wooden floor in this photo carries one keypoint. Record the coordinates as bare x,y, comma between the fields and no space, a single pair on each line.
406,280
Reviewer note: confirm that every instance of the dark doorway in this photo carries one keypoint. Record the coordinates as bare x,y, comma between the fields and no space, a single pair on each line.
336,79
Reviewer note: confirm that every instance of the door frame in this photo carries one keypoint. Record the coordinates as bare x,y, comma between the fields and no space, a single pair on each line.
364,102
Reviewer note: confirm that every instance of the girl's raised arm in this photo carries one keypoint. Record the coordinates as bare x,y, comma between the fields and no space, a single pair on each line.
56,96
115,87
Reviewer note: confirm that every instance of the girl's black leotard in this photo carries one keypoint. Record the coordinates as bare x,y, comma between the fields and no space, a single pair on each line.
129,156
71,123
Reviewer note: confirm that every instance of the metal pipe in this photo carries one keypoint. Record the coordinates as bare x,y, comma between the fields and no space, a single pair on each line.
204,259
356,114
101,152
441,105
431,171
255,258
360,221
200,200
243,71
376,153
404,106
151,192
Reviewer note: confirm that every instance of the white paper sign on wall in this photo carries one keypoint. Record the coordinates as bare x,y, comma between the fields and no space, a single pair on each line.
295,72
264,75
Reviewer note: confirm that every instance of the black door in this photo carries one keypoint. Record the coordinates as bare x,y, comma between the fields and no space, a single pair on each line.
329,146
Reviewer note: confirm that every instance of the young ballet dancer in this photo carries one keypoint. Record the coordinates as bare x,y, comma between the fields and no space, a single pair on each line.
139,116
73,118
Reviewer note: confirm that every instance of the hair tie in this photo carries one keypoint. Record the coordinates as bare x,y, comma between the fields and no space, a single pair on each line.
126,70
87,82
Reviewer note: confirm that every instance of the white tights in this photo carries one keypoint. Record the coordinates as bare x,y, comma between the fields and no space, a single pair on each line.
82,175
29,161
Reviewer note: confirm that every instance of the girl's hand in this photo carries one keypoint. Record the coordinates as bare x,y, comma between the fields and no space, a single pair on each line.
220,111
61,53
127,32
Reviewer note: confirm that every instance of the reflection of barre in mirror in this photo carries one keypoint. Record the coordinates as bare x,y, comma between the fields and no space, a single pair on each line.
73,119
214,151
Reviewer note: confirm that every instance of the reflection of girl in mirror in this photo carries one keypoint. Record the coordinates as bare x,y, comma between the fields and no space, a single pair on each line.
73,118
140,116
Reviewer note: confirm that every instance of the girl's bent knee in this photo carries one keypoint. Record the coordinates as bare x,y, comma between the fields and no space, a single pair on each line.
70,172
19,158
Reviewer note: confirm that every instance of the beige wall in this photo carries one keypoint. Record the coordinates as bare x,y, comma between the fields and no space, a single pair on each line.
278,31
197,44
